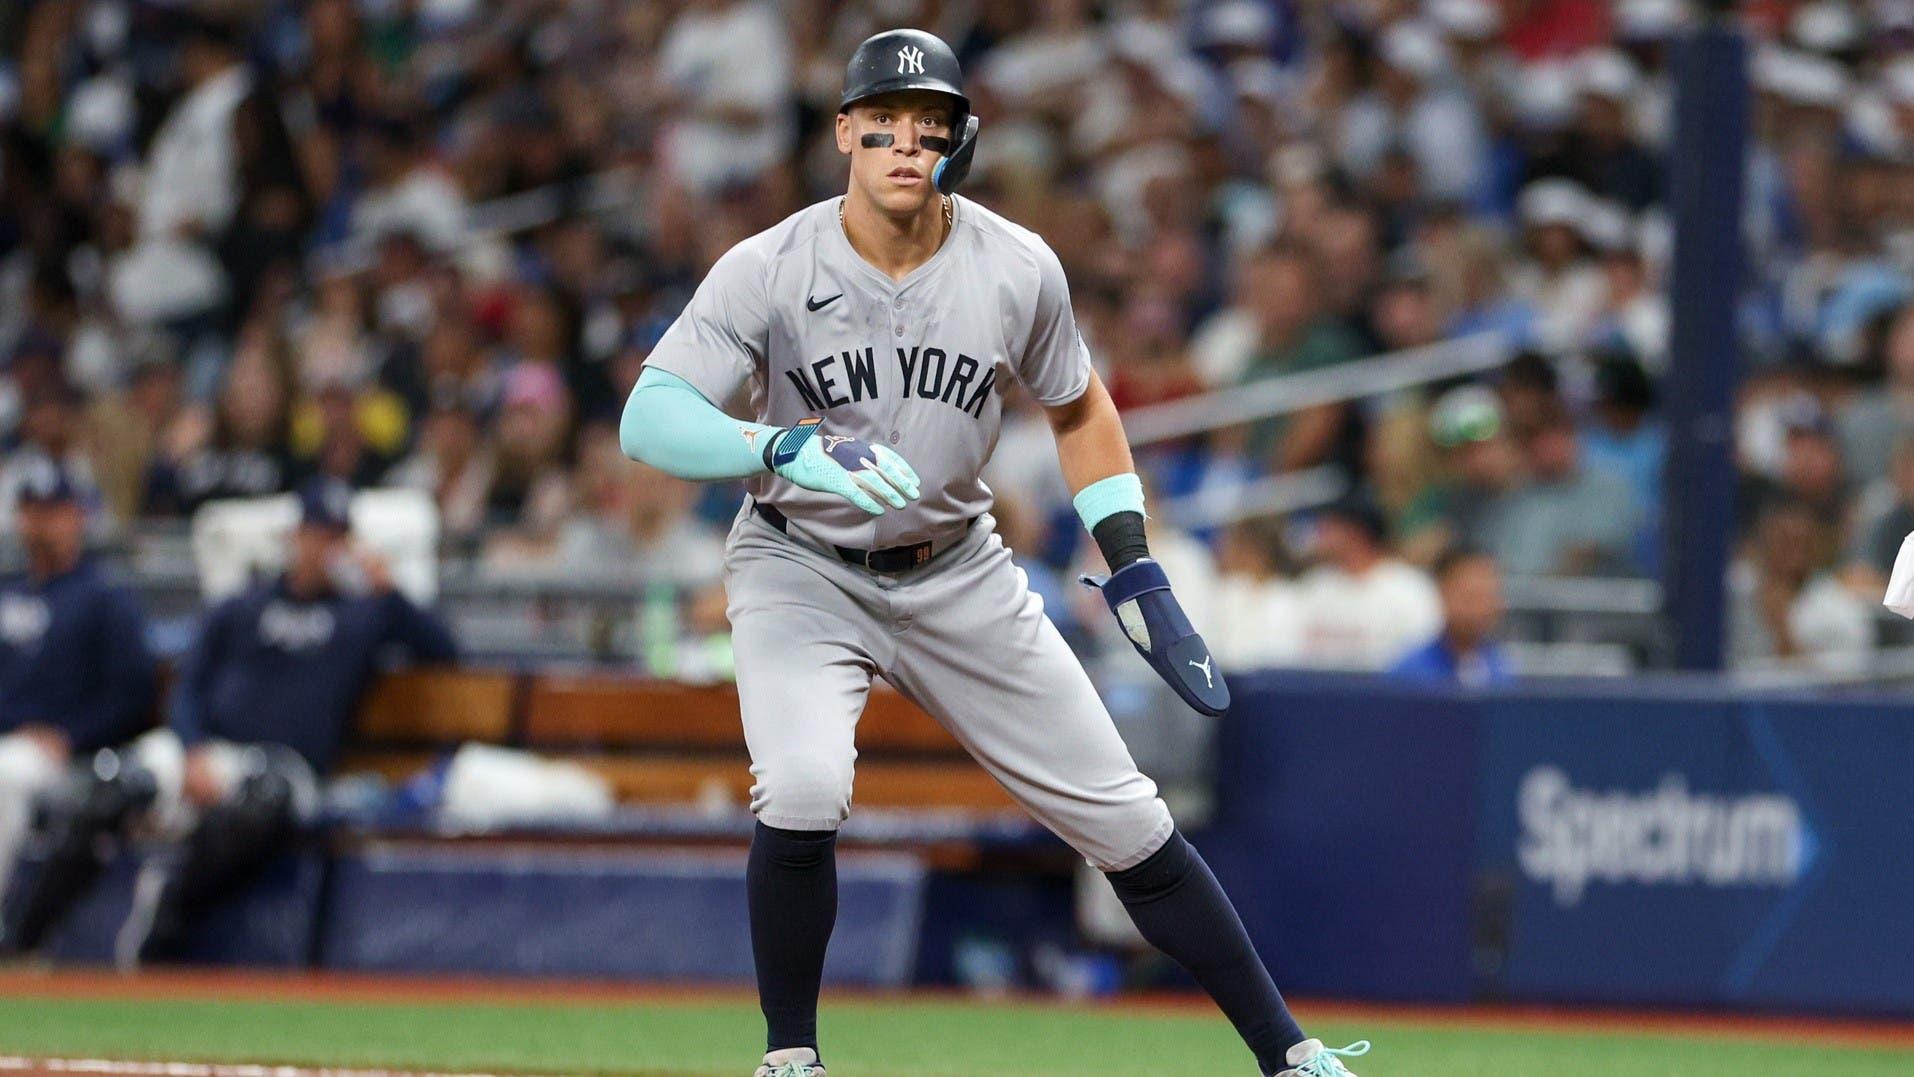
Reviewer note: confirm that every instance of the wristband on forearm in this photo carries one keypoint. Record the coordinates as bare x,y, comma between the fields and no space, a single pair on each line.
783,447
1112,510
1121,538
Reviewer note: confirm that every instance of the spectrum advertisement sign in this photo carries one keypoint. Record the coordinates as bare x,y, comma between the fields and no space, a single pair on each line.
1665,836
1637,850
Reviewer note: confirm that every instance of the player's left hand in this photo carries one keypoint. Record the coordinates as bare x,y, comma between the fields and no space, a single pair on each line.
1139,595
854,469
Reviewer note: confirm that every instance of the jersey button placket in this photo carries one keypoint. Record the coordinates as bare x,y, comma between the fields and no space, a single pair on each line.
898,307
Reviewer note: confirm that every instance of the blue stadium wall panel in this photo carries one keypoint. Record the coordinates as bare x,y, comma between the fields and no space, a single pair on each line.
1597,843
1344,830
1718,852
270,923
625,914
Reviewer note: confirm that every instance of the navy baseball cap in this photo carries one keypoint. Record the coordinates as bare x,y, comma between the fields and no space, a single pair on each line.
326,503
45,481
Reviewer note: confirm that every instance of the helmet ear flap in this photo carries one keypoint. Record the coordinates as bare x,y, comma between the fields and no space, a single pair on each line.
956,165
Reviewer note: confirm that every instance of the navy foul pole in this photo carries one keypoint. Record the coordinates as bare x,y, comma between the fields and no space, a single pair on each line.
1707,161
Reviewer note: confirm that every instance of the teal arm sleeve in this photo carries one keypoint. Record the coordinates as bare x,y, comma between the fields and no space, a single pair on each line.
671,426
1106,497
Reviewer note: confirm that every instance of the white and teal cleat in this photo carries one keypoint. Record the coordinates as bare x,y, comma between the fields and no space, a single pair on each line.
1311,1059
793,1062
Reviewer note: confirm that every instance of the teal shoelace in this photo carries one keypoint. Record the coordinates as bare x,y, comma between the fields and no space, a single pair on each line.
795,1069
1329,1062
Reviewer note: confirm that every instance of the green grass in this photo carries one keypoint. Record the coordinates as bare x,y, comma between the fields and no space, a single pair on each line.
863,1039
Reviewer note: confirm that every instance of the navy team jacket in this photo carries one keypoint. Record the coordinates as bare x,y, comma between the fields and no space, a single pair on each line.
274,669
73,656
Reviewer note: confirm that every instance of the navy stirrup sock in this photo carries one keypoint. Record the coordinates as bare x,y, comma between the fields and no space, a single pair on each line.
1182,910
791,886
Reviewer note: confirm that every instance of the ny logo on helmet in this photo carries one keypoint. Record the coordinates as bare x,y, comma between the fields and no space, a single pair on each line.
910,60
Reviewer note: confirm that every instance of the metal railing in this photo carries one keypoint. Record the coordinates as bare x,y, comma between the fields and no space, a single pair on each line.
1557,626
1270,495
1619,596
1290,393
1276,495
1889,665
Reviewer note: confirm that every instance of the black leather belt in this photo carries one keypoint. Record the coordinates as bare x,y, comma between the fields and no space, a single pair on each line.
892,559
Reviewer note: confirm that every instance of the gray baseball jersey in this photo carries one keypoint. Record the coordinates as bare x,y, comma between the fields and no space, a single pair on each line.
918,364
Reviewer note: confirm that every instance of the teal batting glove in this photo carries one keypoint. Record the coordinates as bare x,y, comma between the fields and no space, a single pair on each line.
852,468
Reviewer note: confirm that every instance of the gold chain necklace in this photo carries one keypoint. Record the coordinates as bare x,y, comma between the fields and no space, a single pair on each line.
950,212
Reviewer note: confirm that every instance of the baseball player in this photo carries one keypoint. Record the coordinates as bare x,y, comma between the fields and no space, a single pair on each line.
877,332
75,673
257,717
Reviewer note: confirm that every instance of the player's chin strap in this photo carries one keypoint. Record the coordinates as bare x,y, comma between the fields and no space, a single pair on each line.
956,164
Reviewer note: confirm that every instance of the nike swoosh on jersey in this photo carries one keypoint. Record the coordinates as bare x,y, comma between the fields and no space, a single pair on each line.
815,305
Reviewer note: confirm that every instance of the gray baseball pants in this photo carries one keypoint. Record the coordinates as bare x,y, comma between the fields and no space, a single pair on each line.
964,638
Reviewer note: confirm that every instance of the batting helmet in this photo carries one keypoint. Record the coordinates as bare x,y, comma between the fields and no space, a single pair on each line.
914,60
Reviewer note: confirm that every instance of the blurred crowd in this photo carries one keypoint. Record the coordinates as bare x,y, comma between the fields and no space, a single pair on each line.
428,243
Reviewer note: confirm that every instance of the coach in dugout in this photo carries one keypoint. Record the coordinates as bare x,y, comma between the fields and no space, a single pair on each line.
259,711
75,673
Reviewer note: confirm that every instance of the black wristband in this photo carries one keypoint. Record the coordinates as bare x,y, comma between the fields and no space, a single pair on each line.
771,446
1120,537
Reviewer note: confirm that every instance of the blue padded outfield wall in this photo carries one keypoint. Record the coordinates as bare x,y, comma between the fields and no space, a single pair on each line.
1345,830
643,915
1603,842
1606,843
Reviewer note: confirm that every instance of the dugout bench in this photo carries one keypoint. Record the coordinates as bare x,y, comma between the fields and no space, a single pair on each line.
657,743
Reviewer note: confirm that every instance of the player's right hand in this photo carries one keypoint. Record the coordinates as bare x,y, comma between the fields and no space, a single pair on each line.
868,476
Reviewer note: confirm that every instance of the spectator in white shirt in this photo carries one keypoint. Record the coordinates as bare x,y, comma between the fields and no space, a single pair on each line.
222,200
1783,608
1258,616
1362,606
406,191
1559,278
1416,106
725,73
